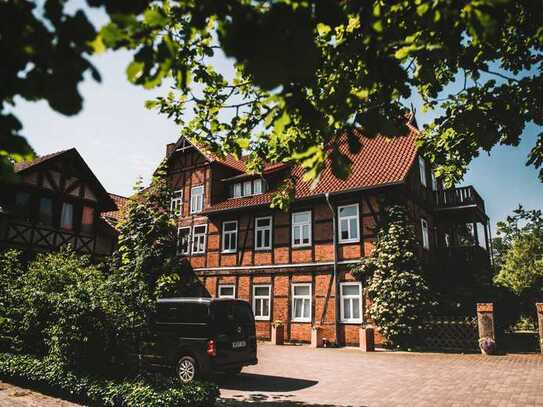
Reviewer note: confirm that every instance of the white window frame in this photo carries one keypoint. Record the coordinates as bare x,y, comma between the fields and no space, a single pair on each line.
259,182
239,187
250,185
196,237
425,233
301,229
229,232
232,286
302,297
189,246
434,182
422,170
348,218
263,229
350,298
262,297
176,203
197,200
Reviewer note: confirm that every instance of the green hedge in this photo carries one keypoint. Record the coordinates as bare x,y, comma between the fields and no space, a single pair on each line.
51,377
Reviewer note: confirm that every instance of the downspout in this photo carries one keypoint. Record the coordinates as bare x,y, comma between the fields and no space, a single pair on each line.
336,282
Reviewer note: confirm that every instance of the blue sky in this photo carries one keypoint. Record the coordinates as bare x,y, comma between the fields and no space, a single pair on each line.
121,140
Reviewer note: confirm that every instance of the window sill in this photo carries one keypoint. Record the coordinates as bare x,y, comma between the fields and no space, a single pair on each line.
229,251
263,249
304,246
300,321
351,322
349,241
262,319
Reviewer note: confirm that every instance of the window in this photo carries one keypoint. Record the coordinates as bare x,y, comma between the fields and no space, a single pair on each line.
46,211
230,236
301,302
263,233
236,193
348,224
422,170
434,182
301,229
261,302
351,302
247,188
183,240
67,216
425,236
176,203
87,219
257,186
22,204
227,291
197,199
199,239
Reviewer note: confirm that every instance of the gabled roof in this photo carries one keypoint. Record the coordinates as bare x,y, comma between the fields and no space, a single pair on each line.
381,161
107,203
23,165
229,160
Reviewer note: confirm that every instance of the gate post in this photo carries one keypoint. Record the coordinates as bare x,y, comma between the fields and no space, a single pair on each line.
485,322
539,307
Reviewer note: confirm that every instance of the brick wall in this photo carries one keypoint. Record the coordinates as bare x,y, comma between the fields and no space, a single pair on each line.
323,300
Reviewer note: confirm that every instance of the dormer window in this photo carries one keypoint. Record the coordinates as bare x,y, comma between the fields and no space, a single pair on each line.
257,186
247,188
236,192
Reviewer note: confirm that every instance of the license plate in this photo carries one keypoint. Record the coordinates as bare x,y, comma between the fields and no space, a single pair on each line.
239,344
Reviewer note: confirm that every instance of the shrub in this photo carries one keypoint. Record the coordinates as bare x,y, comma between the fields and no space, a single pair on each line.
50,376
400,298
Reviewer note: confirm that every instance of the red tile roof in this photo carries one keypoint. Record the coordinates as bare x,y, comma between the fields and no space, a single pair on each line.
381,161
121,203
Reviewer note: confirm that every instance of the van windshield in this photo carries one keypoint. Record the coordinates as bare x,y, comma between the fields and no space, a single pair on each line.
229,315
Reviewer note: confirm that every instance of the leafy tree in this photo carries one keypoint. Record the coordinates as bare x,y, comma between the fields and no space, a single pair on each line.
57,305
519,254
306,71
399,295
45,54
146,264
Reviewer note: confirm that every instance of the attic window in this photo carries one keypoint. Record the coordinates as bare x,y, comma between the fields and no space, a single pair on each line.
247,188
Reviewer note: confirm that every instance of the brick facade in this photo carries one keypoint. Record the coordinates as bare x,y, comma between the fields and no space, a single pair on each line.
284,265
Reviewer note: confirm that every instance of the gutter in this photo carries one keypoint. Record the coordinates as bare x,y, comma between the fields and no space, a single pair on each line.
336,282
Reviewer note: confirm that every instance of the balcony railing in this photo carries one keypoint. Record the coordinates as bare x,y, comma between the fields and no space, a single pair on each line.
461,197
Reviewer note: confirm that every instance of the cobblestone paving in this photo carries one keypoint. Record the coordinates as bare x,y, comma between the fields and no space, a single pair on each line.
300,376
14,396
291,376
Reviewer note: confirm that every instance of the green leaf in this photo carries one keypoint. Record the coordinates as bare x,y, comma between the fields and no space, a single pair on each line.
134,71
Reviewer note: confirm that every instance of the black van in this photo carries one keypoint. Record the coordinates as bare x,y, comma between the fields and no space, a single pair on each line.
203,335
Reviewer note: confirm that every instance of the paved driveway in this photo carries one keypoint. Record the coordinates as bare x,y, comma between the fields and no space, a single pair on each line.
301,376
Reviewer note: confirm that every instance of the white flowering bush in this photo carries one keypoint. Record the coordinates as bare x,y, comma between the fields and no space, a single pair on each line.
400,297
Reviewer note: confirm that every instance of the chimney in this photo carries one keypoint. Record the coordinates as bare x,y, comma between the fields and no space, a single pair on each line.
170,148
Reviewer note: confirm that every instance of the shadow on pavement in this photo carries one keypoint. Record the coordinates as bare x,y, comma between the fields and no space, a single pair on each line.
263,383
266,400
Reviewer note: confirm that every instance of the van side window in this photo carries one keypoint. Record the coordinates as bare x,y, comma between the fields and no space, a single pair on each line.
182,313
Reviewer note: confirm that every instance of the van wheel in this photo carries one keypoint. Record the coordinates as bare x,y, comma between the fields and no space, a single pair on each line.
187,369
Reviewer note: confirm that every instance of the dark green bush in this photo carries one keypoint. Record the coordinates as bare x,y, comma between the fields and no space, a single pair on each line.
52,377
